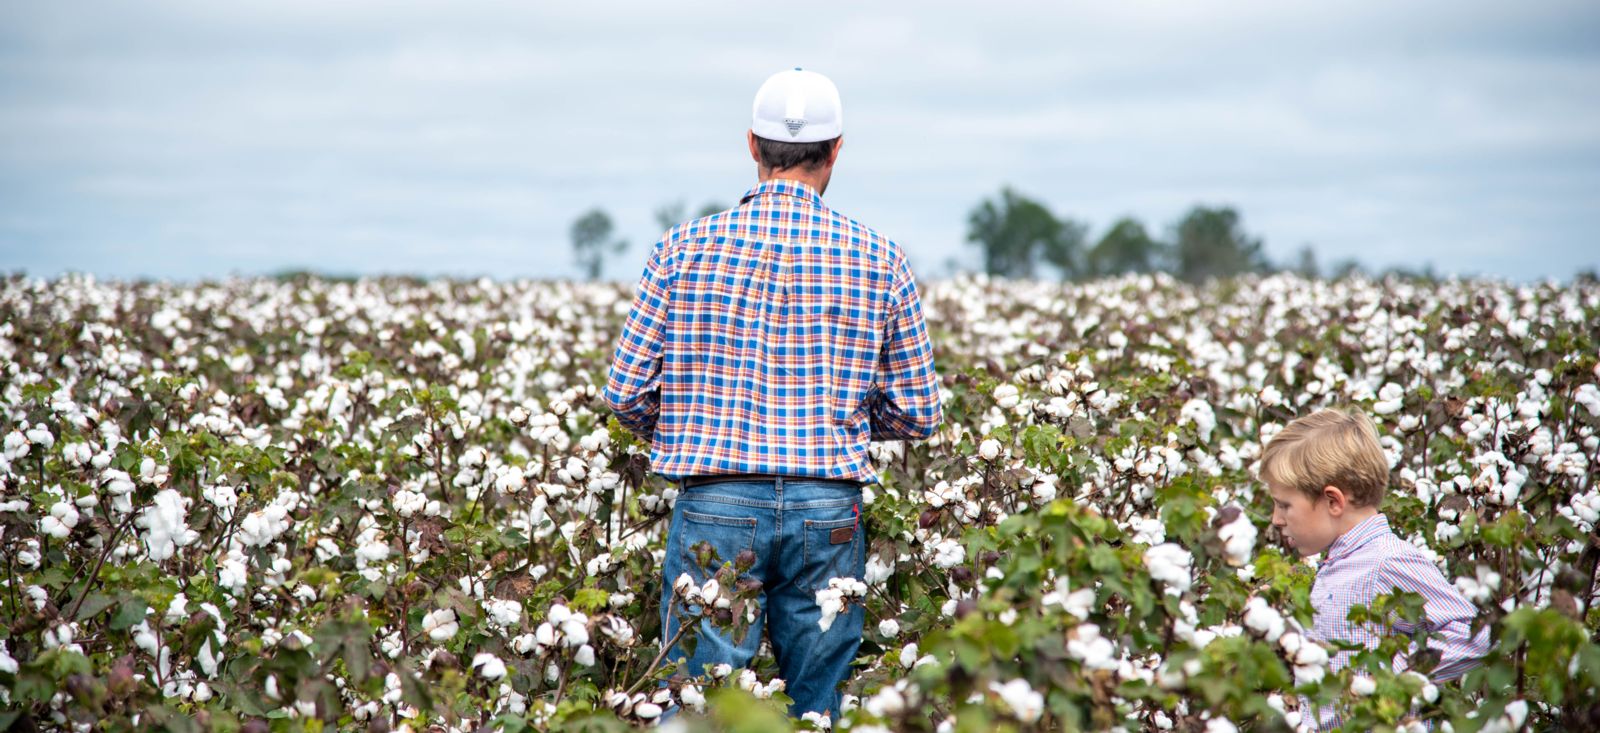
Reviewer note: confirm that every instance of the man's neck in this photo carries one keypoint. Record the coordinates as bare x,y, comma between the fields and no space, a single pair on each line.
816,179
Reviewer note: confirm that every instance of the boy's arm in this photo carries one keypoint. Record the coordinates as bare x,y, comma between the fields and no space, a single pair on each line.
904,405
1449,614
633,386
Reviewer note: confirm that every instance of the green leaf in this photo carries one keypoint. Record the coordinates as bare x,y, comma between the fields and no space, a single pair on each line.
94,604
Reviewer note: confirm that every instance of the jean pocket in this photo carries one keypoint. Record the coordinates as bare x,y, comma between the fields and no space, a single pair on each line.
728,536
832,548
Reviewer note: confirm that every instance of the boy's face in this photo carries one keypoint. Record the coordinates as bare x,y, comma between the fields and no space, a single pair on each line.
1308,526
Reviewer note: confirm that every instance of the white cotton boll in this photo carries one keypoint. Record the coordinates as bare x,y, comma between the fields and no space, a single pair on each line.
949,553
1391,397
545,635
1311,663
1148,530
1219,725
408,503
165,522
1169,564
1238,540
509,479
489,666
1006,396
503,612
1263,619
41,436
908,655
1363,686
817,720
62,519
575,630
17,445
878,571
1094,651
440,625
989,449
77,454
1044,491
1026,703
208,660
1199,413
691,696
889,628
584,655
262,526
1588,395
647,711
1075,602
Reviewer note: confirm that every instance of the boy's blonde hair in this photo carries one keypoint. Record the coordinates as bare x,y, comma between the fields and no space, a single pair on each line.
1328,448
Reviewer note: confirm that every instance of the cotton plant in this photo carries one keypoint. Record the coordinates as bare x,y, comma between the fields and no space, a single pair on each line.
346,457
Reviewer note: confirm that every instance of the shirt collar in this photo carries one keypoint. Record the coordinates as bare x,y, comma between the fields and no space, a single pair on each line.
1368,530
784,187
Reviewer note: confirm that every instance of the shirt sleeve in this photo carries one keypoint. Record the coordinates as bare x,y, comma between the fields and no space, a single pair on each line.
1449,614
633,387
904,402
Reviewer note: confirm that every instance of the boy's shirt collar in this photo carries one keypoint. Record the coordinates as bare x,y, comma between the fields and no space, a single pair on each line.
1368,530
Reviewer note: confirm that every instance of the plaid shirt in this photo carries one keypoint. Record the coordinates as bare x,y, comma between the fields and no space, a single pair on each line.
777,337
1370,560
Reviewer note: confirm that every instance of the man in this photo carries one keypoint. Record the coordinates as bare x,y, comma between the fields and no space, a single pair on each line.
767,345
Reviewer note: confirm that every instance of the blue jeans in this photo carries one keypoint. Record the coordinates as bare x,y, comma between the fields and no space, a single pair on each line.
800,532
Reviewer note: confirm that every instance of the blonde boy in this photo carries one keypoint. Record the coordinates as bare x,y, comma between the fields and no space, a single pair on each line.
1327,475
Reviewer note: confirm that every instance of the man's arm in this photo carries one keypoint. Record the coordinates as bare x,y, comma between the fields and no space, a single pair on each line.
1449,614
904,404
633,387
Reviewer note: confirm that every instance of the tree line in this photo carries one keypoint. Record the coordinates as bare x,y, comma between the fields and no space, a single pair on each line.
1017,236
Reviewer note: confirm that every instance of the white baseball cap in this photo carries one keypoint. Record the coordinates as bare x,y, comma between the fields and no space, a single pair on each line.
797,107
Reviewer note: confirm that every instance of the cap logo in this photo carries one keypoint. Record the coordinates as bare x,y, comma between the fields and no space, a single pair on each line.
794,125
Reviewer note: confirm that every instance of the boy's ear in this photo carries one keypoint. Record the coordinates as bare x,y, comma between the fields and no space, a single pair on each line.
1337,501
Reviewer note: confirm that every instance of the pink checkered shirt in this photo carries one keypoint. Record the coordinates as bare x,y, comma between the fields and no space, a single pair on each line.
1370,560
778,337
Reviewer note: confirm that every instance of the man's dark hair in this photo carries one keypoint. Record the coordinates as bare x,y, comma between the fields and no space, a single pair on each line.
778,155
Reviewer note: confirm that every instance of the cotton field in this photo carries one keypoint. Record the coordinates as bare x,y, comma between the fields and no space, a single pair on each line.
392,504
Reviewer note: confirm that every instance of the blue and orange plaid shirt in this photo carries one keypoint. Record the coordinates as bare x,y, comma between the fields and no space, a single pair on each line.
778,337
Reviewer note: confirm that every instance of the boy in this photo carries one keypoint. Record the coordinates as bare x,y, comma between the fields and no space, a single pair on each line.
1327,475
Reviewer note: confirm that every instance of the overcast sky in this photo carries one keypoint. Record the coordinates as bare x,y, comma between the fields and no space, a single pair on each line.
199,139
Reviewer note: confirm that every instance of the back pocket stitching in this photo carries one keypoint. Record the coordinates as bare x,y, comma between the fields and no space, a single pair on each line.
693,516
747,541
849,555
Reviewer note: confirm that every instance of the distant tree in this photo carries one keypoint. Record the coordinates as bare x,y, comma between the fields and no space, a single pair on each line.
592,242
673,214
1212,243
669,215
1127,248
1344,268
1015,232
1067,251
1306,263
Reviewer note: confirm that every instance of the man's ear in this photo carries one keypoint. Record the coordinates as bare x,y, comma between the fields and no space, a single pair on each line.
1338,503
750,138
838,145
